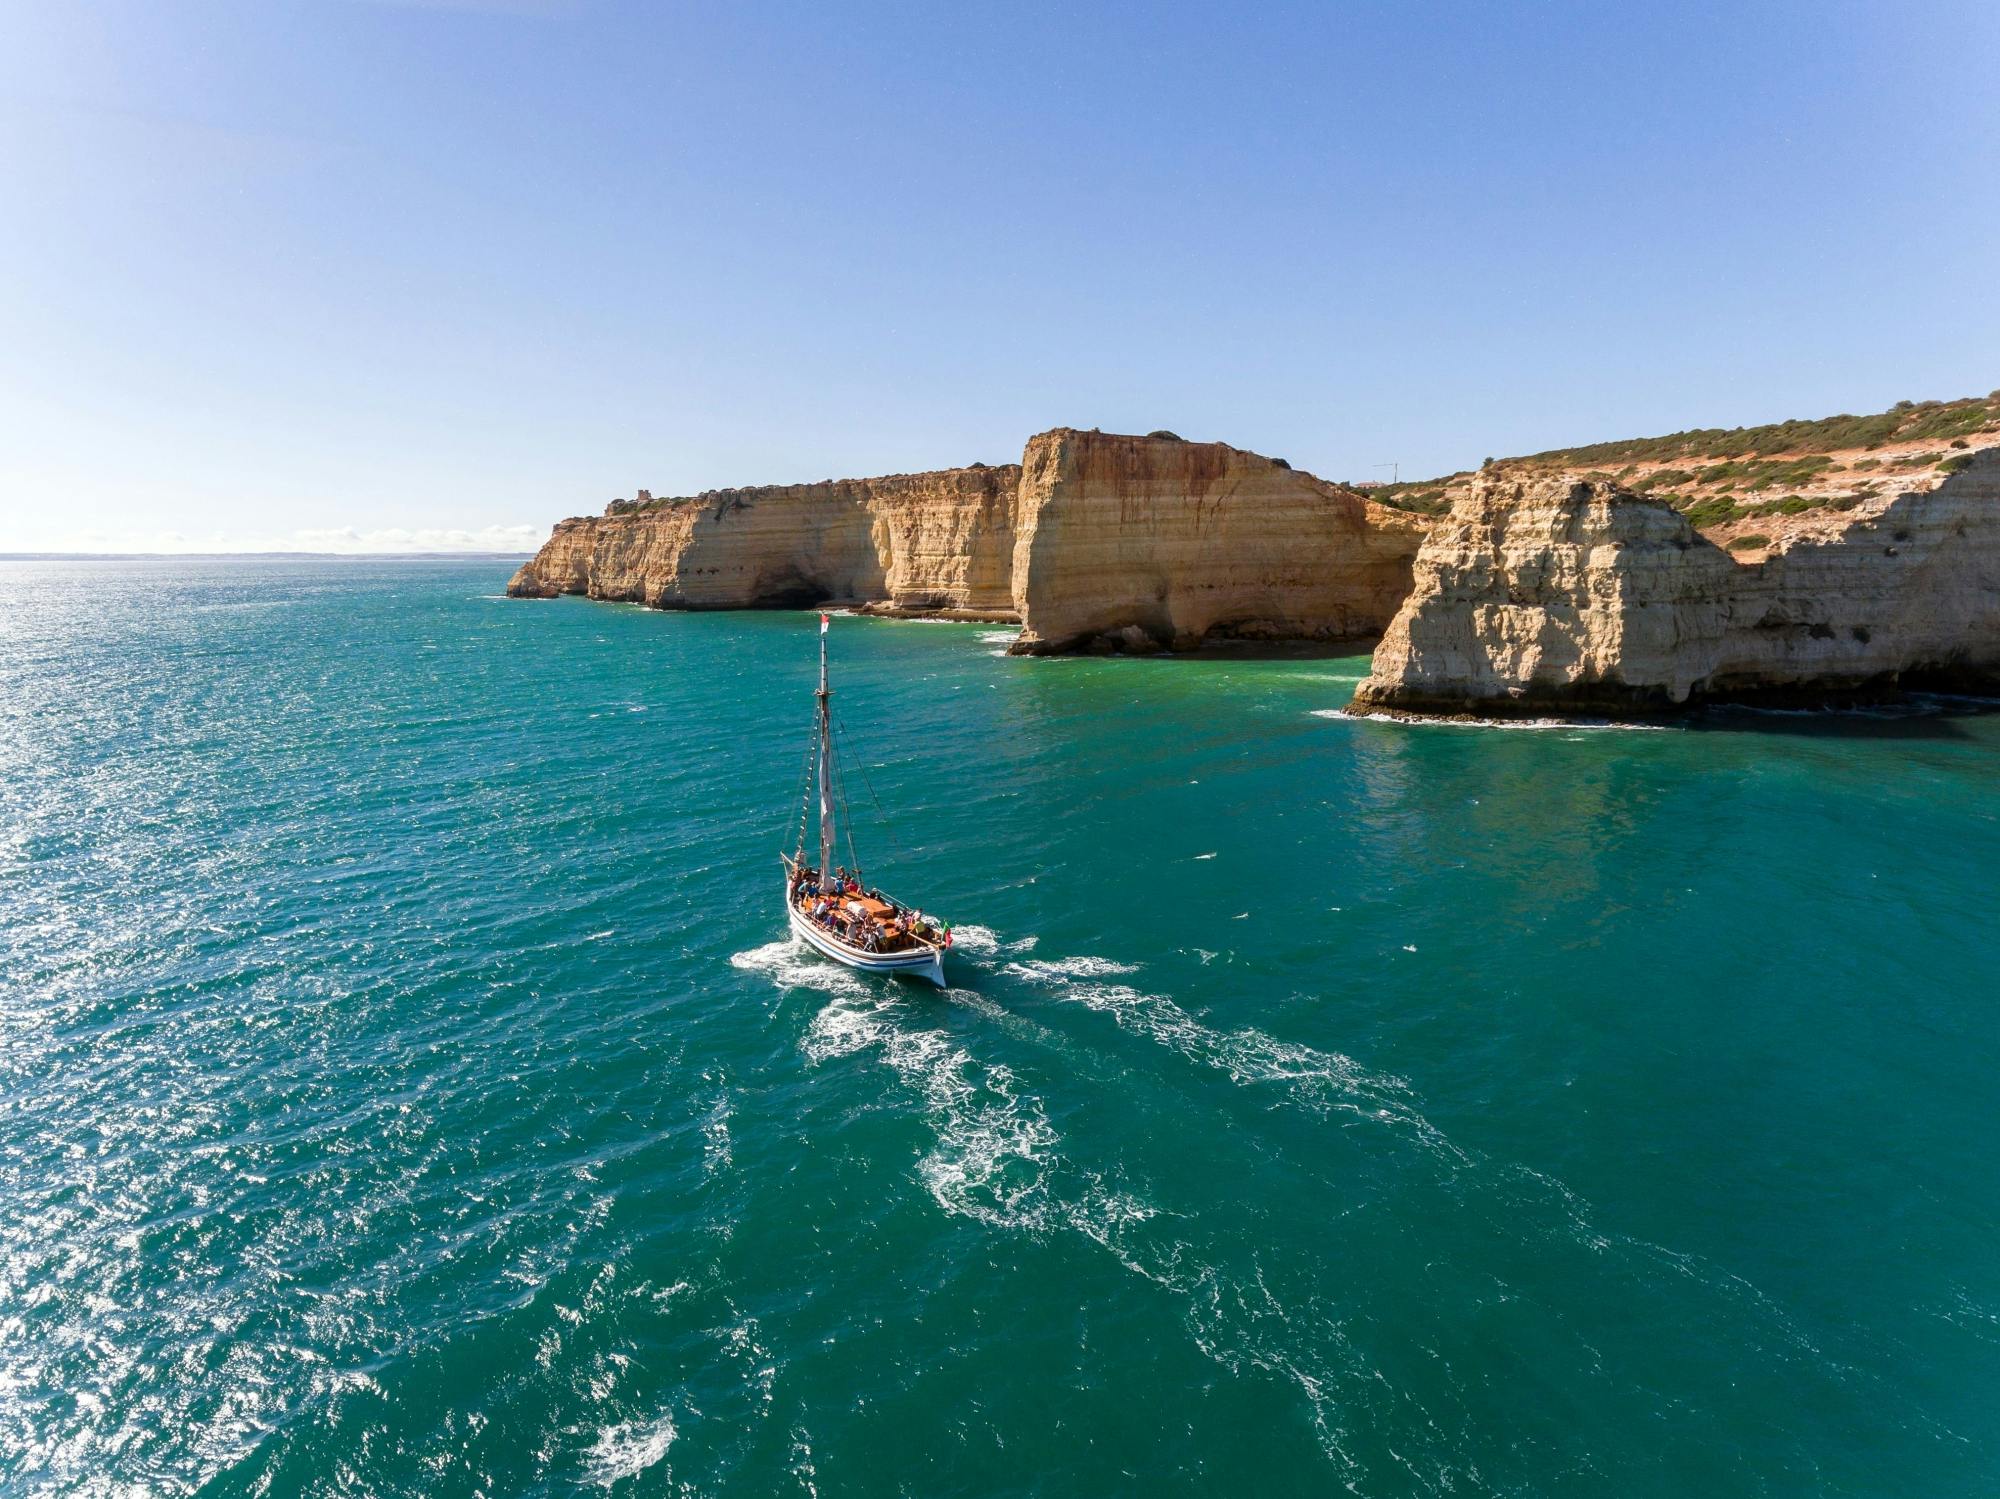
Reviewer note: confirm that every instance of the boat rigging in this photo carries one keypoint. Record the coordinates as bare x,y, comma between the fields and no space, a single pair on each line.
832,908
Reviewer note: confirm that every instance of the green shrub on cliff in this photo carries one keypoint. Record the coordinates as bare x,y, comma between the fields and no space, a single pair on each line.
1710,512
1904,422
1666,478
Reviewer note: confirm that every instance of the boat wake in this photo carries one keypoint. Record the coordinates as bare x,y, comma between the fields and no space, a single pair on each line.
996,1160
1256,1308
793,965
628,1449
1323,1081
984,941
994,1144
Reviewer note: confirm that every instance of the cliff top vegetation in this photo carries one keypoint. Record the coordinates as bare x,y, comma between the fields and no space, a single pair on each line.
1718,476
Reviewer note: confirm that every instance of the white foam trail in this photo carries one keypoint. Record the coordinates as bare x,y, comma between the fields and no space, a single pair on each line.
802,1462
983,940
1326,1082
996,1161
974,938
994,1145
999,637
629,1449
716,1150
791,966
1238,1324
1054,970
1496,723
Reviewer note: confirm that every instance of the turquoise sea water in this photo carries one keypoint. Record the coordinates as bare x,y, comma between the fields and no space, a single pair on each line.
406,1088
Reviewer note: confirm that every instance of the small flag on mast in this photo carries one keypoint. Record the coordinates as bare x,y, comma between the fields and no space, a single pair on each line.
824,621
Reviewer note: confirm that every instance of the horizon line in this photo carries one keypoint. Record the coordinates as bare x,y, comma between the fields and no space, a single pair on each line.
219,556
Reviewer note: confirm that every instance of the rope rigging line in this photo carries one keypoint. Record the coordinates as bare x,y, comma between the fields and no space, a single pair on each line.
887,822
806,801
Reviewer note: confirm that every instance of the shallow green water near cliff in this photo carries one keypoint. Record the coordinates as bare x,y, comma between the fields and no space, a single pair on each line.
407,1088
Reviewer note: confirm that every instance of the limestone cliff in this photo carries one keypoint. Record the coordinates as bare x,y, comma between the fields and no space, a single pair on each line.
931,541
1554,593
1151,542
1100,541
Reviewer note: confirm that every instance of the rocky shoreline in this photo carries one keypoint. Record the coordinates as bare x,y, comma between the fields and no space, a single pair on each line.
1578,597
1536,587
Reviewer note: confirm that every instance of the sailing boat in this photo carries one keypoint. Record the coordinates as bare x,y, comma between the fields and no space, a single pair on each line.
834,910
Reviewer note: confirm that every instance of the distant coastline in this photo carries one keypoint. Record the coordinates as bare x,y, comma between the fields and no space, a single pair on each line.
264,556
1832,559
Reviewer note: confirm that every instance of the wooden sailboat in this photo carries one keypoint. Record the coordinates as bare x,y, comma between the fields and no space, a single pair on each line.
833,910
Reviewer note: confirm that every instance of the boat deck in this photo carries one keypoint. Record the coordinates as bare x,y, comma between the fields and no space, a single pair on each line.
873,910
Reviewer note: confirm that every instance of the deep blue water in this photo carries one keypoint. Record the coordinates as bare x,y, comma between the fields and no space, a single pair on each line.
406,1087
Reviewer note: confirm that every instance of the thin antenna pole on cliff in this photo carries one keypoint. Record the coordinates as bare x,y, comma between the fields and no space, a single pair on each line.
1395,471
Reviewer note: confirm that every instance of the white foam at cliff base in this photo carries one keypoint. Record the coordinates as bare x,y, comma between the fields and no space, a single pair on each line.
629,1449
999,637
1495,723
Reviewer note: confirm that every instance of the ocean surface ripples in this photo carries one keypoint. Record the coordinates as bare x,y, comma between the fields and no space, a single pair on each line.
406,1086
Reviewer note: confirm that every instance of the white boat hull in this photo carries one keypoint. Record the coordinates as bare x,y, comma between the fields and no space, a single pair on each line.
925,963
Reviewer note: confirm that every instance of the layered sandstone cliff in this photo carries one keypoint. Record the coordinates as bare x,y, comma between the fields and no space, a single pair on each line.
1153,542
1100,541
931,541
1554,593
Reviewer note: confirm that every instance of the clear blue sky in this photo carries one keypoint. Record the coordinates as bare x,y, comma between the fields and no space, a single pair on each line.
273,270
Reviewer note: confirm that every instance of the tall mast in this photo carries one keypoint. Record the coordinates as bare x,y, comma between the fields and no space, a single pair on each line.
825,758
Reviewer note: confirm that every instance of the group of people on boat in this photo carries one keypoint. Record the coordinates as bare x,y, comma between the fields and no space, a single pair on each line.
860,917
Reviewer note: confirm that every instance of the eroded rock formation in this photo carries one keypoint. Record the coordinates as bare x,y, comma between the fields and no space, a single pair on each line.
934,541
1153,542
1102,541
1807,559
1558,594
